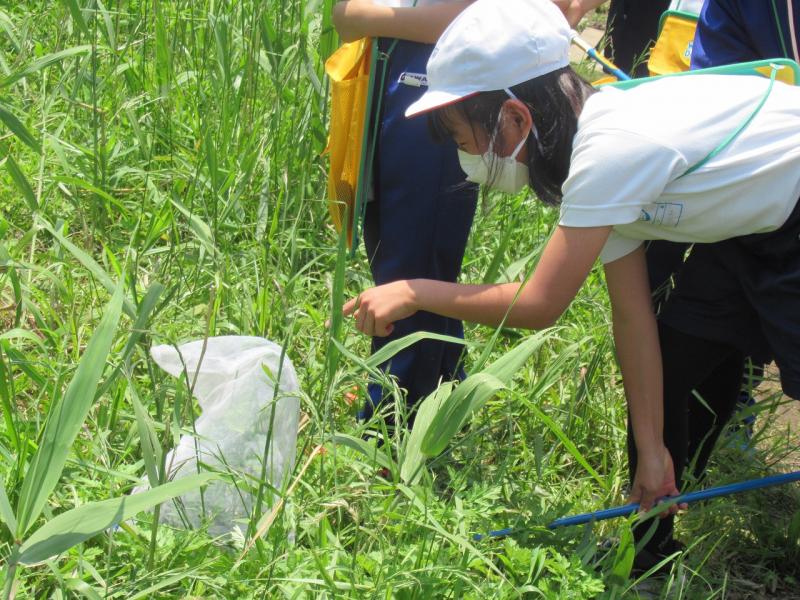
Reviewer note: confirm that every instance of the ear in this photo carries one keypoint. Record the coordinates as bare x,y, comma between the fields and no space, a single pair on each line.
517,117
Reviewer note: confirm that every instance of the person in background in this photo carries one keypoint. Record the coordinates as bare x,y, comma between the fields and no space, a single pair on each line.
632,27
728,32
418,219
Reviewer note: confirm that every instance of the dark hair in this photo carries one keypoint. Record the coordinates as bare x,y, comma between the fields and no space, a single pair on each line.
555,101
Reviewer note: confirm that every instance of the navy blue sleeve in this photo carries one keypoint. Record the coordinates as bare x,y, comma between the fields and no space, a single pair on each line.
721,38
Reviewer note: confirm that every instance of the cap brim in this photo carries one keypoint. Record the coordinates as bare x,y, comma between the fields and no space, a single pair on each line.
433,99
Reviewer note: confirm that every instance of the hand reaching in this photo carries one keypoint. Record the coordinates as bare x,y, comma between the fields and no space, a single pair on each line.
377,309
655,478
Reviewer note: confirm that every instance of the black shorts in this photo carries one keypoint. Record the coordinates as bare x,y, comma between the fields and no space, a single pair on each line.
745,292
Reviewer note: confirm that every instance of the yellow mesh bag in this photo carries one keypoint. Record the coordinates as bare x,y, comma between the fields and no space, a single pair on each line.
672,52
348,70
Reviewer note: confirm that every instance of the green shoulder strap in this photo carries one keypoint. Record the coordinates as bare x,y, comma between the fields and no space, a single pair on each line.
748,68
733,135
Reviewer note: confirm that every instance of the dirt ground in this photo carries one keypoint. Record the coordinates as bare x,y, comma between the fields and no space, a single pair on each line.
784,422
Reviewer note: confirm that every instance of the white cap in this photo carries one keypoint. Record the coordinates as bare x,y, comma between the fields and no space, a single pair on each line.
493,45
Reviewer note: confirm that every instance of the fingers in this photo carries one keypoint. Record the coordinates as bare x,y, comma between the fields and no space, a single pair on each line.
647,501
350,306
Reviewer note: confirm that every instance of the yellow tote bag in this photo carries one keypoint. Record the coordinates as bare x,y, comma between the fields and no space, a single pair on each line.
348,70
672,52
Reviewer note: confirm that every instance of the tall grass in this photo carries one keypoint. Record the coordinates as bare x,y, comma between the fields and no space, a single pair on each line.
162,167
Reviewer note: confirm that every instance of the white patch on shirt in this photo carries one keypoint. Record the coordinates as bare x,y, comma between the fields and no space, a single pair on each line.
414,79
665,214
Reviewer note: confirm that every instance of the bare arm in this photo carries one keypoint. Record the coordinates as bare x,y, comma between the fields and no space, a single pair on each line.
562,269
355,19
636,339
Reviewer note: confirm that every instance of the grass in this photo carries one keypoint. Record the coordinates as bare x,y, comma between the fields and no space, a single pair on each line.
161,166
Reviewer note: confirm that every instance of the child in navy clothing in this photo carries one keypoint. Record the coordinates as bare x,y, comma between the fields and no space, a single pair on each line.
419,218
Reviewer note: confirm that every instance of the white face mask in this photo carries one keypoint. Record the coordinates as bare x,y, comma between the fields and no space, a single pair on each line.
510,177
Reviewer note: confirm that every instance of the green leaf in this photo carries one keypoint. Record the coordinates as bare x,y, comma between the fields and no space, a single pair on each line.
568,444
65,418
22,183
6,512
77,15
44,62
80,183
18,129
623,561
151,449
201,230
453,413
413,457
368,449
79,524
22,334
91,265
475,391
392,348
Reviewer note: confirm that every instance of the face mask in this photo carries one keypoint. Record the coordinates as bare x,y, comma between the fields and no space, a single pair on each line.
510,175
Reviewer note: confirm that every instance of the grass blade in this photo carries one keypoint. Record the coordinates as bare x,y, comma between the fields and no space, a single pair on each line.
44,62
77,15
22,183
79,524
413,458
474,392
18,129
6,512
65,419
91,265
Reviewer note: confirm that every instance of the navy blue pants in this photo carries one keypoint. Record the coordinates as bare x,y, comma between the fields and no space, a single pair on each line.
416,226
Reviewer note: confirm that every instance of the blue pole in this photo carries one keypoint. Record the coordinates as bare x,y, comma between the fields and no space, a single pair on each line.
606,64
629,509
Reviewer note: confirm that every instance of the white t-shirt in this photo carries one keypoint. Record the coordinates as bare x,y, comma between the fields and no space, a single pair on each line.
691,6
405,3
633,146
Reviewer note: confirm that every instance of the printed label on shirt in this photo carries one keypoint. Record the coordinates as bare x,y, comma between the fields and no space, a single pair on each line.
414,79
666,214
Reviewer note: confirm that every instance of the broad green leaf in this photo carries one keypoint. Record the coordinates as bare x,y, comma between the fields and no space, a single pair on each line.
146,307
44,62
475,391
65,418
368,449
6,512
392,348
18,129
413,457
453,413
623,561
6,395
79,524
22,334
793,531
337,301
505,367
91,265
